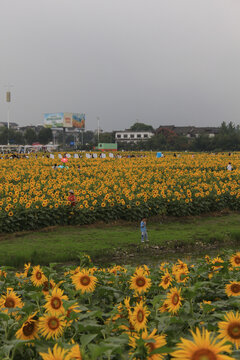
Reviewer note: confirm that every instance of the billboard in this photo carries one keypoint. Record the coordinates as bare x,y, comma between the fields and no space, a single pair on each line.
78,120
60,120
67,120
53,120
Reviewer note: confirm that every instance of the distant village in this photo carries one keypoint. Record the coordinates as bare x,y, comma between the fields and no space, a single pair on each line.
139,136
129,135
187,131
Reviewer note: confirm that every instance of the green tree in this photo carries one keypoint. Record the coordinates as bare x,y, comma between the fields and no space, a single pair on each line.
30,136
106,137
12,136
228,138
45,136
202,143
141,127
16,137
3,135
88,137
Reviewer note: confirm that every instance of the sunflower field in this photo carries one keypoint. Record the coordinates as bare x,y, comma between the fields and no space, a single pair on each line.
34,195
175,311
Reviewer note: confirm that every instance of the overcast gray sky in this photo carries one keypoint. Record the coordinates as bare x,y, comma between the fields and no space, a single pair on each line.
158,61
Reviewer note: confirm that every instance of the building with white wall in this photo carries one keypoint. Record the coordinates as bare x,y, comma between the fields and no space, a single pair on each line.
132,136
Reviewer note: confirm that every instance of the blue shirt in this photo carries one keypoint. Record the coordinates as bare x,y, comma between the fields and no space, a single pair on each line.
143,226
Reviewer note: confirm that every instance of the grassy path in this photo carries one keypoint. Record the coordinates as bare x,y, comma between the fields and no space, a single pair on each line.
63,244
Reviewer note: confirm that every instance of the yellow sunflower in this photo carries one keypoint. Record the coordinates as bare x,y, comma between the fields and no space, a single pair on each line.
146,268
72,308
166,280
174,300
75,353
25,273
48,285
233,289
139,282
29,329
180,265
84,281
38,278
3,273
164,307
26,268
230,328
163,266
210,275
10,300
127,304
139,316
235,260
57,354
155,342
217,263
54,303
207,302
203,347
51,326
181,276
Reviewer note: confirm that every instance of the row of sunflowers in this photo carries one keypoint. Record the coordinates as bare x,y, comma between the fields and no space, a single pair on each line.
175,311
34,193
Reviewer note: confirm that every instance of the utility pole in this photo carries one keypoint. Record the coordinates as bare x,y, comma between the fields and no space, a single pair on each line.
8,101
98,129
64,138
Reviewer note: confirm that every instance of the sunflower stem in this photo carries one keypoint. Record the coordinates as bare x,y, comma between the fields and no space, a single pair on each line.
6,329
191,307
13,353
38,305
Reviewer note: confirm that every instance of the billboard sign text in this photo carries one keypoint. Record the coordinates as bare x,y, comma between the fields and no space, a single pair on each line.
60,120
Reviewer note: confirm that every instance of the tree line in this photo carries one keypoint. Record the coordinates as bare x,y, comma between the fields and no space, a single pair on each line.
28,137
227,139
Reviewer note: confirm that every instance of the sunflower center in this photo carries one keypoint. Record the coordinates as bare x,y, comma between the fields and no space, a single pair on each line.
53,323
38,275
166,280
235,288
237,260
175,299
151,347
140,282
69,312
45,286
56,303
234,330
85,280
9,303
165,306
203,354
28,329
140,316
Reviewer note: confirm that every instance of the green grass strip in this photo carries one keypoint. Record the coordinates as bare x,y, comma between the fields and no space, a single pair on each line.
64,244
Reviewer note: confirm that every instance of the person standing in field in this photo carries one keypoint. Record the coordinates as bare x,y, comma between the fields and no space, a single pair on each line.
143,228
229,167
72,198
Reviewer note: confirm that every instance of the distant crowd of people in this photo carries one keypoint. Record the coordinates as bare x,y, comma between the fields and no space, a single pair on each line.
88,155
